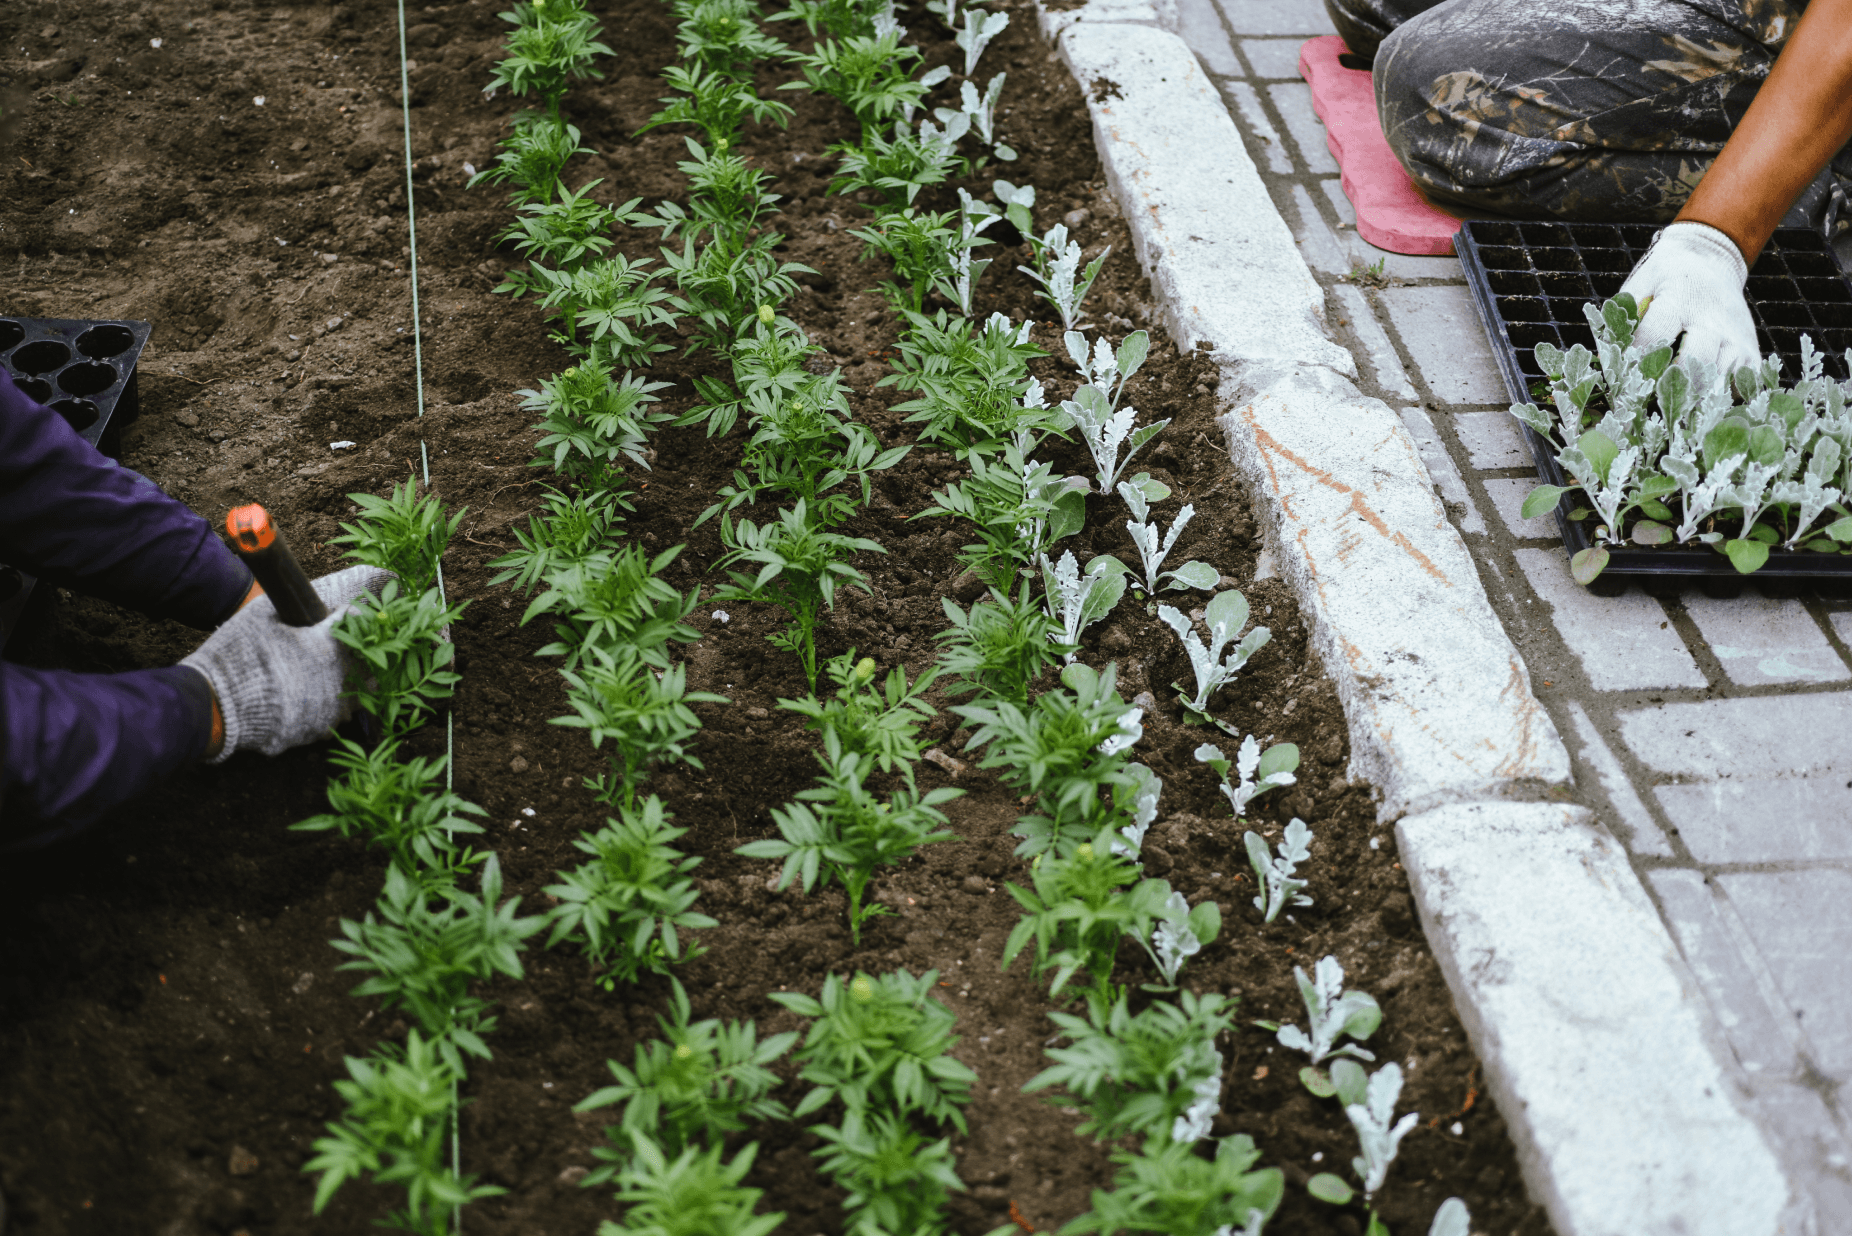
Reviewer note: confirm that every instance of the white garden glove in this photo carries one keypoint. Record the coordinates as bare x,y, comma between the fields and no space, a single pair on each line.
1694,275
279,686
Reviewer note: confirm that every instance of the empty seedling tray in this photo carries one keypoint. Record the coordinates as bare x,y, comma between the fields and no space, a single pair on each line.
1530,281
85,372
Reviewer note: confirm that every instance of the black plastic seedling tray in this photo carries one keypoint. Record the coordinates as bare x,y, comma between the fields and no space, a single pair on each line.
85,371
1530,281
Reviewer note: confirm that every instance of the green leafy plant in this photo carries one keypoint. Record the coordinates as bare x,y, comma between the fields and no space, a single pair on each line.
695,1194
1256,772
401,806
1069,749
723,36
727,200
533,154
423,952
625,905
701,1081
565,231
1170,1190
975,390
1001,647
800,567
606,310
552,45
405,533
1019,509
1080,907
716,102
567,530
841,18
899,164
840,825
772,363
878,721
402,654
1225,615
803,446
897,1179
591,421
868,74
880,1044
723,288
645,713
1155,1076
615,602
396,1130
921,246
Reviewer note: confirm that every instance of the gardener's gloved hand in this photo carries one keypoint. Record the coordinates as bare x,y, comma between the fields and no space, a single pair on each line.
276,686
1695,276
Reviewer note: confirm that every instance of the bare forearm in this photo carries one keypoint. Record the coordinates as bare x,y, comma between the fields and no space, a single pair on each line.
1799,120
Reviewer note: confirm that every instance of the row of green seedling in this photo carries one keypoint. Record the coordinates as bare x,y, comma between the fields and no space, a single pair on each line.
440,923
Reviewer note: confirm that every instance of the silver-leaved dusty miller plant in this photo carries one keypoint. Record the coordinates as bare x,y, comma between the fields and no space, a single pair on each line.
1662,450
973,217
1334,1013
1057,268
1257,1220
981,110
1225,615
1255,772
1197,1119
1138,494
1079,599
1279,885
1147,786
981,26
1376,1136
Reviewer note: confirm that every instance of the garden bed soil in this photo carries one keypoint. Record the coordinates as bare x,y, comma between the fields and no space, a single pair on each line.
171,1015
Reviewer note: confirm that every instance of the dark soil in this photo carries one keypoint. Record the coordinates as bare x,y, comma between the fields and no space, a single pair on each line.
171,1016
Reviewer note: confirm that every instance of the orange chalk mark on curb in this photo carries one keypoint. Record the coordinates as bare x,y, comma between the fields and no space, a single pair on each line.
1358,506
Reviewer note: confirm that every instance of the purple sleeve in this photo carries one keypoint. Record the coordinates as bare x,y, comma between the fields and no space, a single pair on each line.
74,745
70,515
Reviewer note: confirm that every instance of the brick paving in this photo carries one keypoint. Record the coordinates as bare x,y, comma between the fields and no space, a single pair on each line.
1708,734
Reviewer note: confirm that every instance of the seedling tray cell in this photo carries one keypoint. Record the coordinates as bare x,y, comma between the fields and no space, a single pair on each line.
1530,280
84,371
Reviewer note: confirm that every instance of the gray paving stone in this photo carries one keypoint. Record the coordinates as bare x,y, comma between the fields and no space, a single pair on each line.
1200,25
1441,331
1397,265
1318,244
1762,641
1294,101
1440,467
1276,58
1813,1145
1639,831
1507,495
1253,119
1762,1037
1801,819
1492,440
1841,622
1801,735
1306,17
1622,642
1388,366
1799,923
1595,1037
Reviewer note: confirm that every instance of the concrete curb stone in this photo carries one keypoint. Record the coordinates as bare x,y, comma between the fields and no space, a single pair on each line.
1589,1025
1159,13
1203,239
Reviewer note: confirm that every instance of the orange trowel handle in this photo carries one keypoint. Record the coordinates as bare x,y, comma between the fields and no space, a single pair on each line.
257,540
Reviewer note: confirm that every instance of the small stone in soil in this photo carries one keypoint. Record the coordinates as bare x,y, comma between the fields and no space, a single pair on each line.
517,764
189,419
242,1162
976,884
1076,218
573,1175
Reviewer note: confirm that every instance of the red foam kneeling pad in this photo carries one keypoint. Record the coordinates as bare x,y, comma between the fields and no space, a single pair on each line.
1391,212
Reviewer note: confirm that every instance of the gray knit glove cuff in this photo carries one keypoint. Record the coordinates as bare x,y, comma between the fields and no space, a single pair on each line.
279,686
